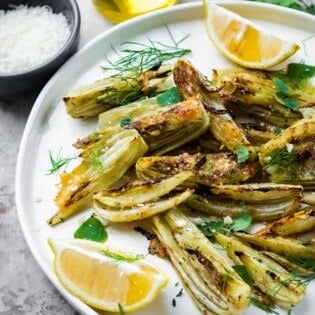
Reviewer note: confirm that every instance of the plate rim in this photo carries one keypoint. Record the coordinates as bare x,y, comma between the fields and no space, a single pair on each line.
39,106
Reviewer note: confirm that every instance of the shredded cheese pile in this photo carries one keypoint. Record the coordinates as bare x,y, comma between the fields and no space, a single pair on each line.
29,36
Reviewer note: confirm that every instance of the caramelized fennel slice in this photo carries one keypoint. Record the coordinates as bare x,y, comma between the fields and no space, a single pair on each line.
108,164
206,169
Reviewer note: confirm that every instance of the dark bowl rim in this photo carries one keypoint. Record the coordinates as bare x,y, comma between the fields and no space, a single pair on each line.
59,55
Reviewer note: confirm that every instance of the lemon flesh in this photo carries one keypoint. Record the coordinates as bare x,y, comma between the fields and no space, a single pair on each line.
244,42
86,270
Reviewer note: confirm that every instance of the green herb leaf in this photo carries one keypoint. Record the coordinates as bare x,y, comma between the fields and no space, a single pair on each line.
242,153
242,271
57,162
281,88
242,221
284,161
121,309
169,97
92,229
298,72
125,122
283,95
206,227
263,306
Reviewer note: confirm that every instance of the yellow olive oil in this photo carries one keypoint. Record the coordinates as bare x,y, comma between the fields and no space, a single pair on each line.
118,11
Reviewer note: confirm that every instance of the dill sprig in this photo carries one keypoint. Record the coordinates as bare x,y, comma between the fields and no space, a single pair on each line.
307,264
284,161
57,162
94,155
121,309
138,57
263,306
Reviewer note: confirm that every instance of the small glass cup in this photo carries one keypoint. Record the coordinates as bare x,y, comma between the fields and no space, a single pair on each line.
118,11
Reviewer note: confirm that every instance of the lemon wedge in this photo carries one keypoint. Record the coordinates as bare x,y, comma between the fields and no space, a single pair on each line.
104,277
136,7
244,42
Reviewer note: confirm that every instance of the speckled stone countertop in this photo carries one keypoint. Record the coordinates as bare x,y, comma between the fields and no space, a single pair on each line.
24,288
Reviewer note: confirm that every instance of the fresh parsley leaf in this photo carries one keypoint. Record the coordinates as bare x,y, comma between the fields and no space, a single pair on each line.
242,221
125,122
281,87
207,227
121,309
92,229
242,271
283,94
170,96
242,153
57,162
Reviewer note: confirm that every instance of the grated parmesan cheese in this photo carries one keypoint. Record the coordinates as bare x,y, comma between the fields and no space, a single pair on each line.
29,36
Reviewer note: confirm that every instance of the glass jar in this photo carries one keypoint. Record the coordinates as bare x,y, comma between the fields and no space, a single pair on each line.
120,10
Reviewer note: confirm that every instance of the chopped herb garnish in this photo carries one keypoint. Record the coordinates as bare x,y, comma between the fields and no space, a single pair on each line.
284,161
299,73
283,94
276,130
239,223
242,221
57,162
207,169
176,284
174,302
139,57
263,306
169,97
92,229
180,292
122,258
121,309
95,154
207,227
242,271
242,153
125,122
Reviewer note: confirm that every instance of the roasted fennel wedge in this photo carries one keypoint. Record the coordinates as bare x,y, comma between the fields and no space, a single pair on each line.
299,222
209,278
221,207
264,193
174,126
285,246
191,82
255,93
289,157
206,169
141,199
93,99
103,167
133,111
269,276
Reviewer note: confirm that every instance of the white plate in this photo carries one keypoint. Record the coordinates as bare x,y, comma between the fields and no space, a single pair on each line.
50,128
